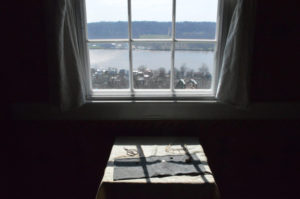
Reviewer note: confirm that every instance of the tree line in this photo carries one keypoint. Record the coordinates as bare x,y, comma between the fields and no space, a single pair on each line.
152,29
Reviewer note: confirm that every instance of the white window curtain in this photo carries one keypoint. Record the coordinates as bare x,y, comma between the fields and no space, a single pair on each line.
66,53
237,37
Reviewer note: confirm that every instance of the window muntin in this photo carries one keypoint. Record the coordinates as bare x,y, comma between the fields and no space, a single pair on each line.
188,46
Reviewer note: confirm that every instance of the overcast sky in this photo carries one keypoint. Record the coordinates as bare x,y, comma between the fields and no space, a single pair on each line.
151,10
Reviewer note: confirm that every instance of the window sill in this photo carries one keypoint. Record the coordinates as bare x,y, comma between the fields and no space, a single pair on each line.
158,110
152,94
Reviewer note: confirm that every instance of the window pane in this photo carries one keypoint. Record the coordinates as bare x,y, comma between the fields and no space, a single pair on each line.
196,19
107,19
109,65
151,19
151,65
193,67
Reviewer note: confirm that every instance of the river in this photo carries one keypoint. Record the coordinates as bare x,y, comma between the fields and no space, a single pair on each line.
152,59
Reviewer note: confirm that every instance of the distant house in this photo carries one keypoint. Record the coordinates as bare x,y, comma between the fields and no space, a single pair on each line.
192,84
181,84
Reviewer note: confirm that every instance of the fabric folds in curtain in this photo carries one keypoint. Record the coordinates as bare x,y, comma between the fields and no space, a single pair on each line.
65,53
236,52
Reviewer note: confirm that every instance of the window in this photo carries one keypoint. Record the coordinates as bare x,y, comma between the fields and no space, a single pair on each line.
152,49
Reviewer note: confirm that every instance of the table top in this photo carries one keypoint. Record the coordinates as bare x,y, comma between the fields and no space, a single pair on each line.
135,147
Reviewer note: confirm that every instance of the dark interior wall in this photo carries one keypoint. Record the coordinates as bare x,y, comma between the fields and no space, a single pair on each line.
275,75
250,159
26,45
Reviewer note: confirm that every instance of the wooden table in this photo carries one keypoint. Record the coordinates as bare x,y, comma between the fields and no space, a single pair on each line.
179,186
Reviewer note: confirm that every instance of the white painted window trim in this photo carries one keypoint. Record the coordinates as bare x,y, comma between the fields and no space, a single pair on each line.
153,94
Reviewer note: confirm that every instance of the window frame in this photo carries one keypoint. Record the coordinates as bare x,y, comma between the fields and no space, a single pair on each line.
153,94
